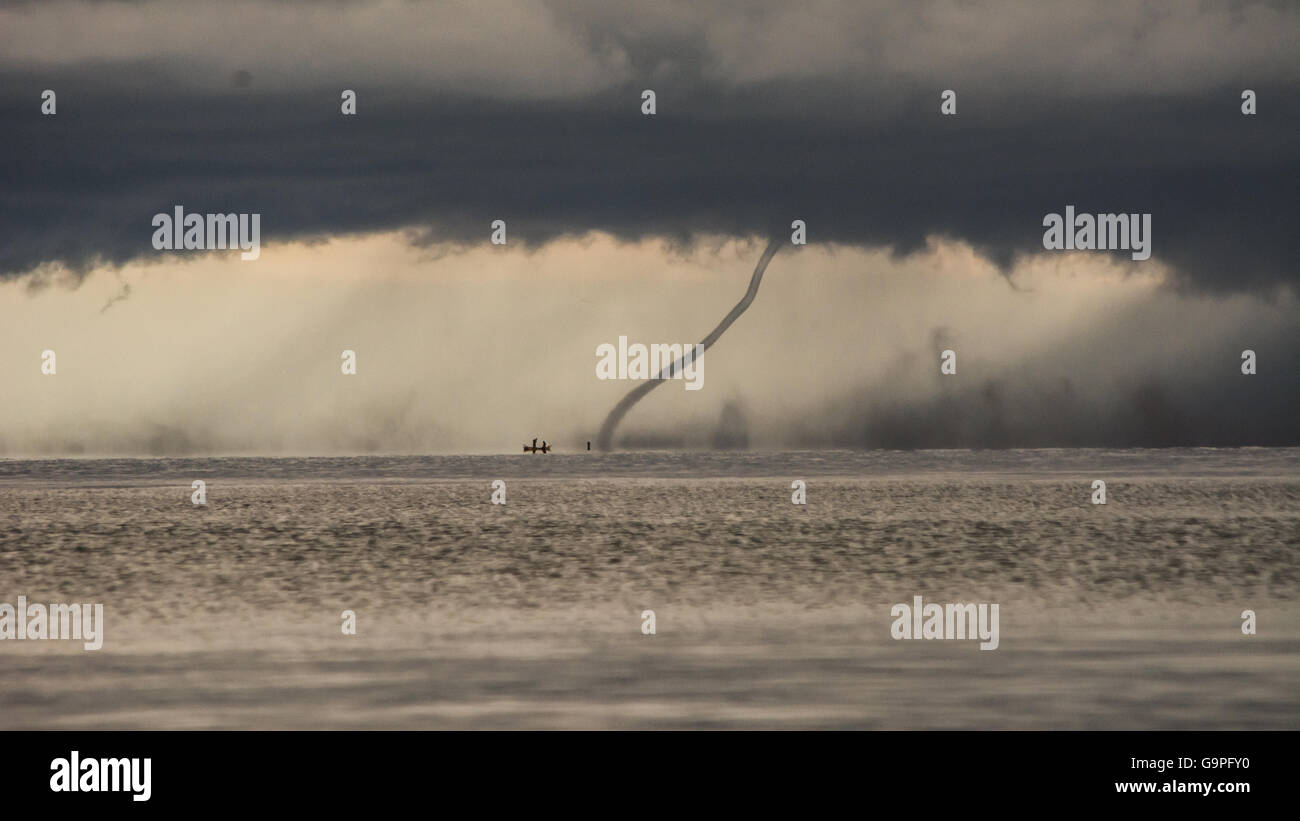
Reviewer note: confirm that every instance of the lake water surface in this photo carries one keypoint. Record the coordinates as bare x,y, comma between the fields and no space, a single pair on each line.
768,614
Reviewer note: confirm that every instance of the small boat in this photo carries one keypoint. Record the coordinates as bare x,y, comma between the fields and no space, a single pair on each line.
534,447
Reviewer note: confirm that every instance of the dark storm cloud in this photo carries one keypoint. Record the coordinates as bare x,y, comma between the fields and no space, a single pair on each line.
82,187
759,123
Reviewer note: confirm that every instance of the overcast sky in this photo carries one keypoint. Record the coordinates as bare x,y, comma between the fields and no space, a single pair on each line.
767,111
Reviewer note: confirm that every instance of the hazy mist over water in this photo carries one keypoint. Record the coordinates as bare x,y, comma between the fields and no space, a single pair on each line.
479,350
769,614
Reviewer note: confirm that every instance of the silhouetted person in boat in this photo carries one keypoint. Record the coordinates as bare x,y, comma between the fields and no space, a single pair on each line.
534,443
545,447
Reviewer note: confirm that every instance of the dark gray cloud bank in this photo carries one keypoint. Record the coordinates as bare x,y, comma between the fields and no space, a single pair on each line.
83,186
767,112
759,123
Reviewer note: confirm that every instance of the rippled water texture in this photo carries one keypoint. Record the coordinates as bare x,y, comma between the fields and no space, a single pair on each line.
768,614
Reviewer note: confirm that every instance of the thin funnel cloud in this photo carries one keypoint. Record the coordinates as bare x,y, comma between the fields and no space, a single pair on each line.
625,404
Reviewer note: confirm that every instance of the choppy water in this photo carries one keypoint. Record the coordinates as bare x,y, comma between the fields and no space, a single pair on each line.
768,614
